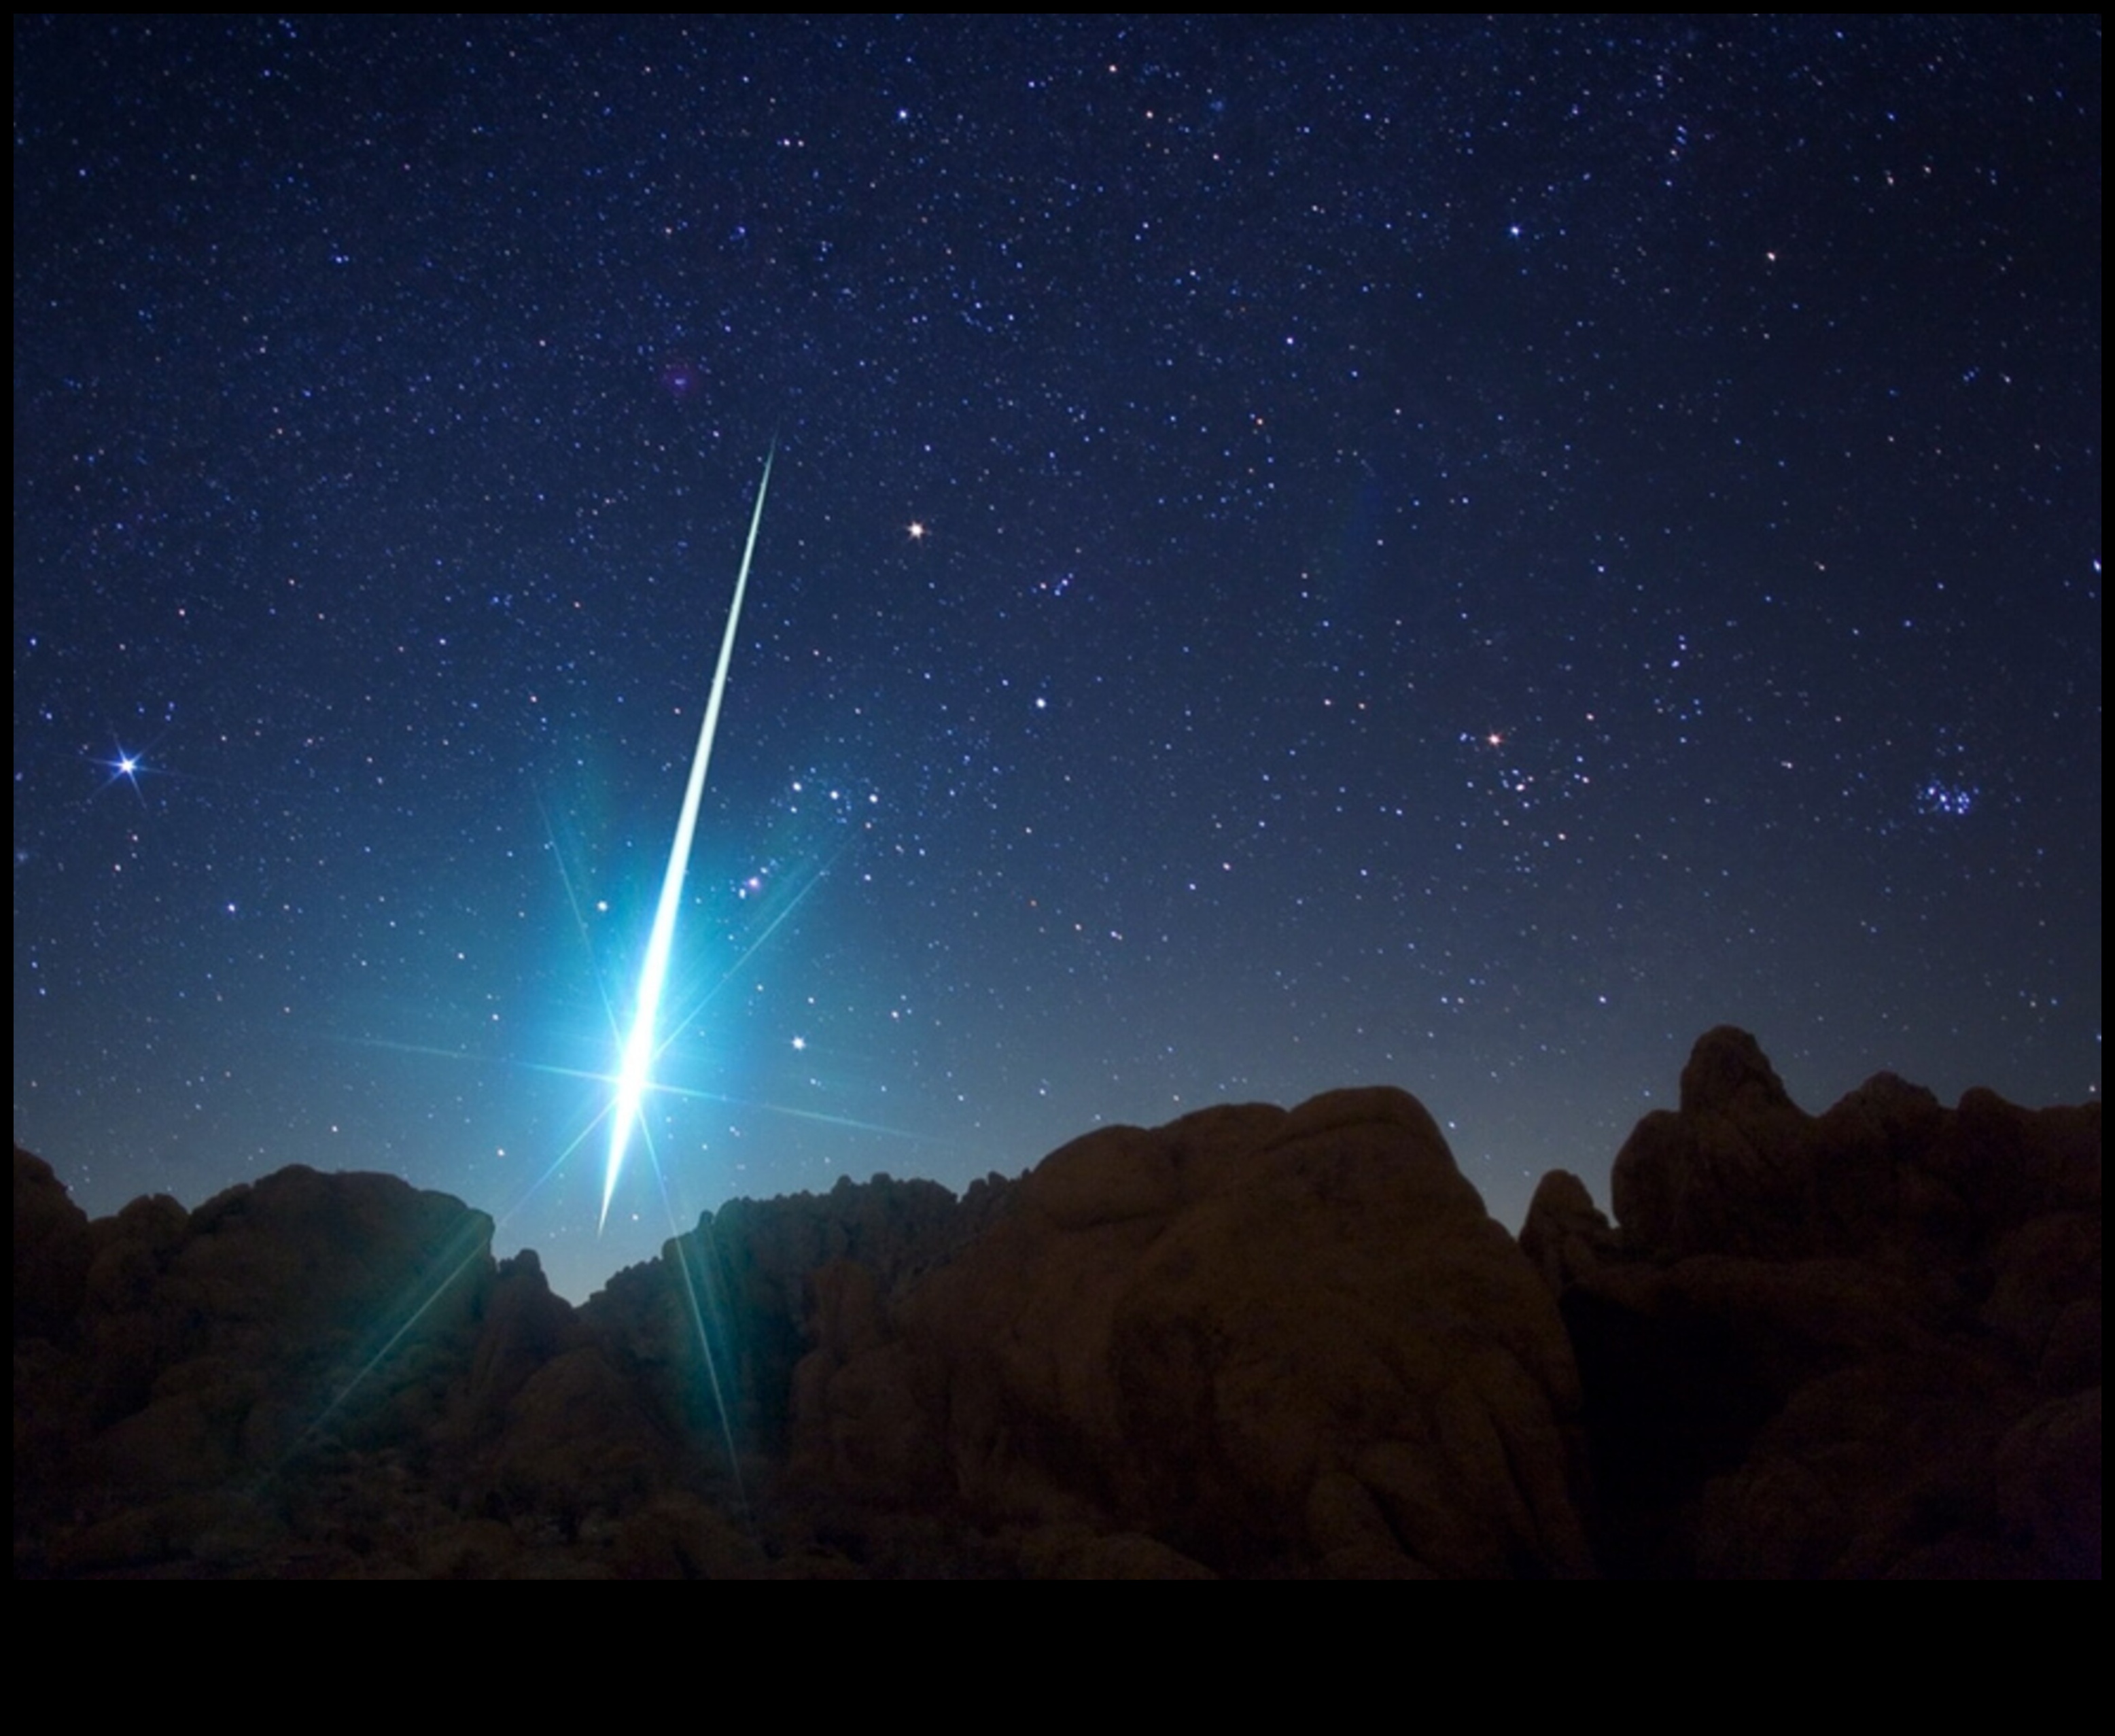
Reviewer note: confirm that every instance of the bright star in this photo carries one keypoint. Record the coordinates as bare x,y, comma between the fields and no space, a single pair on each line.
130,767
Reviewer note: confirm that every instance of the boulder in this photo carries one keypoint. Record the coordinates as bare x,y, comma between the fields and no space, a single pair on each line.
1260,1338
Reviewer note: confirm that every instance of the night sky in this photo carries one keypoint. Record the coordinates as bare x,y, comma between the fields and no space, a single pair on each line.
1302,553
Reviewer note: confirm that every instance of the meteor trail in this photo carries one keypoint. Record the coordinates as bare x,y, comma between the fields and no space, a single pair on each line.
640,1047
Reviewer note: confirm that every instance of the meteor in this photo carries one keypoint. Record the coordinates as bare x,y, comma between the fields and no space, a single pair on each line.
640,1047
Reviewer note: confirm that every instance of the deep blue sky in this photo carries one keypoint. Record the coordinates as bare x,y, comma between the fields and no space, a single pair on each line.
1454,553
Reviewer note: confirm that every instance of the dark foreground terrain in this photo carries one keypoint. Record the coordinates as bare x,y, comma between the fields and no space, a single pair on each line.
1255,1342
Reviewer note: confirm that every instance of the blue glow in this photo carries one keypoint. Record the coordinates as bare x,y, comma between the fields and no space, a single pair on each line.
640,1047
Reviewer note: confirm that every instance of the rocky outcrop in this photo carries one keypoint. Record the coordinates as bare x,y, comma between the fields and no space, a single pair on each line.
52,1250
211,1355
1255,1342
1865,1344
1271,1342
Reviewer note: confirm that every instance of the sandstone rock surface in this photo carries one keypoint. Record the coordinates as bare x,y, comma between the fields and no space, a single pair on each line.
1275,1342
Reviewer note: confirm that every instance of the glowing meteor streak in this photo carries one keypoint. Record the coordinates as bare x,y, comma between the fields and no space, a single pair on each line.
639,1049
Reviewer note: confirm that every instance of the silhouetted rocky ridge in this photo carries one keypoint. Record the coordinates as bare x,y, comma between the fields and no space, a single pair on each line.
1253,1343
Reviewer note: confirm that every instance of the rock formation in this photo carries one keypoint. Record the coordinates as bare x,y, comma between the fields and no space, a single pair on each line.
1865,1344
1254,1342
1273,1343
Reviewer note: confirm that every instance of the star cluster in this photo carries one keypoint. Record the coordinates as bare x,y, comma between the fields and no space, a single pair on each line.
1458,553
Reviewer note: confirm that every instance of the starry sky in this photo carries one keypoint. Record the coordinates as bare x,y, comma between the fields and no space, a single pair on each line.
1304,553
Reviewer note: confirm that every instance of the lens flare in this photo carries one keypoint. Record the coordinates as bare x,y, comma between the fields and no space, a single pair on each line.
640,1047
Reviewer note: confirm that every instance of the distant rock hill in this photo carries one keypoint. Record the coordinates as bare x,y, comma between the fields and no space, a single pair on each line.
1252,1343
